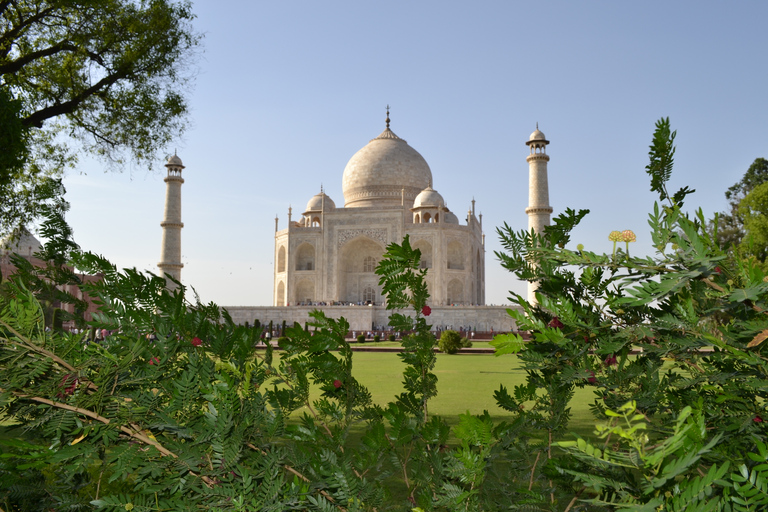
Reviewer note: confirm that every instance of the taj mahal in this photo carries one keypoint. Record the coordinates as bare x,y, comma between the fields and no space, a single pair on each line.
329,254
326,256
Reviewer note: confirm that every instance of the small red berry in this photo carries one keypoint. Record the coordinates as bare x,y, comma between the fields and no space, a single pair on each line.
757,419
337,383
556,323
592,379
426,310
610,361
196,341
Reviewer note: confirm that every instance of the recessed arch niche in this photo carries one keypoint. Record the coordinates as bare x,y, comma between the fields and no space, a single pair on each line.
426,252
305,292
455,292
281,259
305,257
455,255
355,271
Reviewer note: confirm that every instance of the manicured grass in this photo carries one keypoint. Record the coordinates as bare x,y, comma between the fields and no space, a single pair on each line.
385,343
465,383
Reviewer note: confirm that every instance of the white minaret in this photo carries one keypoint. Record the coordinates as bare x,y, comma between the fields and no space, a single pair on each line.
170,259
538,210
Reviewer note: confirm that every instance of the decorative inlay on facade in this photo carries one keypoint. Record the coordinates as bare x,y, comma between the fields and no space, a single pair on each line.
345,235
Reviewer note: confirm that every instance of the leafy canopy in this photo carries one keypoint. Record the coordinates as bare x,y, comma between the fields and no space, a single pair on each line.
105,76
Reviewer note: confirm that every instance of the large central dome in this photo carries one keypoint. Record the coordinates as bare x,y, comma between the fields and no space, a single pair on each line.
378,174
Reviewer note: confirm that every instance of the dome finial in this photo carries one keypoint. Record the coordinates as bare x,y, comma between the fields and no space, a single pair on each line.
387,117
321,188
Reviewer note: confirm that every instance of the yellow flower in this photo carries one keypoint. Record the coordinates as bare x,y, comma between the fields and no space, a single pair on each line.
628,236
615,236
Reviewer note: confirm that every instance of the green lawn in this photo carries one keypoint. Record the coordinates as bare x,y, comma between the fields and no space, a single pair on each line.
465,383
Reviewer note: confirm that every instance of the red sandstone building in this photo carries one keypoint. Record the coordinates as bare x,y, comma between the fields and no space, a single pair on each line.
27,246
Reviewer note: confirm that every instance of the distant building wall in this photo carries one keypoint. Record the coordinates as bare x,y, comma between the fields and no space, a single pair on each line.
363,318
7,269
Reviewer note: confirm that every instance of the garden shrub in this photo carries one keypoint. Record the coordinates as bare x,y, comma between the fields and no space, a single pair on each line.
376,338
361,338
450,342
391,337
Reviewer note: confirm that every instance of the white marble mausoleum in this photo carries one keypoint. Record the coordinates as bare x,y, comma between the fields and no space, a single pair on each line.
327,254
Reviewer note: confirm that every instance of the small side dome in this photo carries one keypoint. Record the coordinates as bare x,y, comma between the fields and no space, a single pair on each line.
175,161
429,198
320,202
537,135
450,218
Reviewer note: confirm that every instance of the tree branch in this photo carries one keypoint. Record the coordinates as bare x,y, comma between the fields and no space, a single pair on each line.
301,476
35,348
36,119
12,34
134,433
86,412
15,65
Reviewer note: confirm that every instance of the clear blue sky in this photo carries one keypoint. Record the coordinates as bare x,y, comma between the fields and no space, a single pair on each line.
287,92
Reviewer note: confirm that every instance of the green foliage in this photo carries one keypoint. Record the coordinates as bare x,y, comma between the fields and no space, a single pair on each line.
13,147
753,209
673,342
450,342
402,280
361,338
756,174
110,74
405,285
728,227
662,157
197,419
671,345
633,466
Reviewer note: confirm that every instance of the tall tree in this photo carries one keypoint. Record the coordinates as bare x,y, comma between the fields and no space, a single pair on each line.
104,76
753,210
730,226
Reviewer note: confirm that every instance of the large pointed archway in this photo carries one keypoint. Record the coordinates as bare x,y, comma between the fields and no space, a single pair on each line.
357,282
